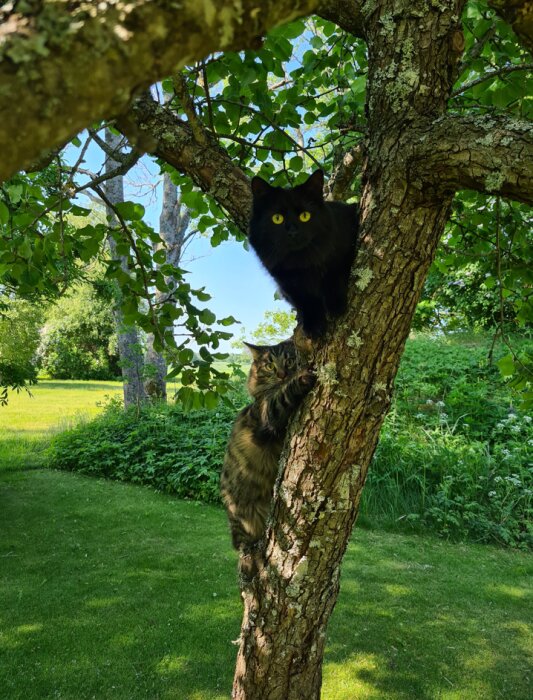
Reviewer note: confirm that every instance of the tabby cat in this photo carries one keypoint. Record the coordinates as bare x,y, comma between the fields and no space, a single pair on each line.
254,447
307,245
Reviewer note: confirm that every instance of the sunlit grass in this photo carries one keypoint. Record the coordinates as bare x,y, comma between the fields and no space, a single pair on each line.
54,403
113,591
29,419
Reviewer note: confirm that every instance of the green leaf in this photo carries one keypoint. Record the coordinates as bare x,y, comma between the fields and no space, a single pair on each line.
228,321
4,213
201,295
206,316
507,365
210,399
131,211
185,356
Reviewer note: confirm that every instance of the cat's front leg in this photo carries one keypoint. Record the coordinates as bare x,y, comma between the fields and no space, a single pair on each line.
336,292
312,315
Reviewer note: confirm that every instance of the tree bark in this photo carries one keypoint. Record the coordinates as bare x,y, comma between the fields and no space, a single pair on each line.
173,224
287,606
129,346
492,154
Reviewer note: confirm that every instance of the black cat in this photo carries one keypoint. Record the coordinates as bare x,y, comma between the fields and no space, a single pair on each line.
307,245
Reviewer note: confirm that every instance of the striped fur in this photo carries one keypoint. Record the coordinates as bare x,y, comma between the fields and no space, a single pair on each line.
254,447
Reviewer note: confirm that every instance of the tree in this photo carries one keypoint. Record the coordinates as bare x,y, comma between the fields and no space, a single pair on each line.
173,224
129,342
427,131
275,327
78,338
19,340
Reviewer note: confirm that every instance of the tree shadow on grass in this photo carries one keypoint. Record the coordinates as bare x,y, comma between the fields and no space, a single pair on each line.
110,591
113,591
89,385
419,618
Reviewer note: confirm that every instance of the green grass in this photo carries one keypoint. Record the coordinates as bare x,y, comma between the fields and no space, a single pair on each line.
28,421
113,591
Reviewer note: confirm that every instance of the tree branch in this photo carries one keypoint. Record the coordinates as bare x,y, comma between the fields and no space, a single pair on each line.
343,173
197,128
85,61
491,74
517,13
492,154
207,164
346,14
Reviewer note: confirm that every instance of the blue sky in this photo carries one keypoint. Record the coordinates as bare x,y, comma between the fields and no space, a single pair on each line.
237,282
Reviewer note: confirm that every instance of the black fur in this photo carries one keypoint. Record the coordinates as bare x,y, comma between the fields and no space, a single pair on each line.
310,260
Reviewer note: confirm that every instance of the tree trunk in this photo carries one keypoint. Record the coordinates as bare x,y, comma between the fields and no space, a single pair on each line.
129,346
412,59
173,224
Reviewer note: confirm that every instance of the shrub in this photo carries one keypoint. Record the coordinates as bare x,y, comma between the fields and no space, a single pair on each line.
454,456
158,445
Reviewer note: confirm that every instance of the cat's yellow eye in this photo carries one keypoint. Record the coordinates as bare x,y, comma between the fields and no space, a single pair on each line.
305,216
277,218
269,366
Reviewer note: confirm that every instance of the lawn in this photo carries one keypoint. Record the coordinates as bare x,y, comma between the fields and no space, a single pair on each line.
114,591
27,422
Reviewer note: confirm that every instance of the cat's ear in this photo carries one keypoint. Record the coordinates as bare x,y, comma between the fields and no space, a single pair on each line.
259,187
255,350
314,185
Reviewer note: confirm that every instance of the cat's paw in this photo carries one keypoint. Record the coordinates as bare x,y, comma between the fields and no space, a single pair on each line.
307,378
302,342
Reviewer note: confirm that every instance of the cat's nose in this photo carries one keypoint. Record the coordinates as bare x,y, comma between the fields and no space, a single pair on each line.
291,229
281,374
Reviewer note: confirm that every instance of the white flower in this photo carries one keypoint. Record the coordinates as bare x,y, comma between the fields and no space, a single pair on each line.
492,493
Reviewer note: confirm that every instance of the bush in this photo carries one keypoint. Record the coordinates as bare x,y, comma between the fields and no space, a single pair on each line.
433,478
19,340
454,456
158,445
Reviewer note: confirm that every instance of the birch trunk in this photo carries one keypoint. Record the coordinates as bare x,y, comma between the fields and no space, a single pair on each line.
173,225
129,346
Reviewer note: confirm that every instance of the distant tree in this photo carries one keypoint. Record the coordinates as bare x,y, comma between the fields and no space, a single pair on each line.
19,339
175,234
79,337
275,327
128,335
